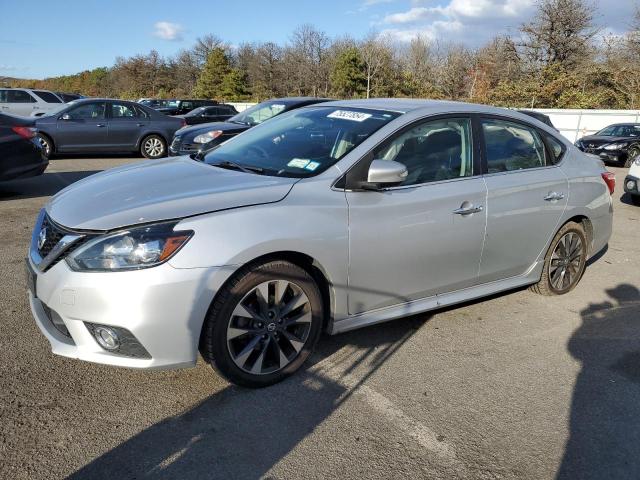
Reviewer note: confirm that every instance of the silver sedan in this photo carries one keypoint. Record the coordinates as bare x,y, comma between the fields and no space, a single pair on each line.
331,217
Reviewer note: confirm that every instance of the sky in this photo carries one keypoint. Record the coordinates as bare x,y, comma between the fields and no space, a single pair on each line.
38,41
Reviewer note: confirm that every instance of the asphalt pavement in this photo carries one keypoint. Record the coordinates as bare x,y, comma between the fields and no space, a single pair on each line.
514,386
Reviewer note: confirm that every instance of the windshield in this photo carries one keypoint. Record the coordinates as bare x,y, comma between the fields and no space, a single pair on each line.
258,113
620,131
302,142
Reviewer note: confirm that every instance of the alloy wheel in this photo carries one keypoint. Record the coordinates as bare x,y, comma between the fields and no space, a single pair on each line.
566,262
46,146
269,327
153,147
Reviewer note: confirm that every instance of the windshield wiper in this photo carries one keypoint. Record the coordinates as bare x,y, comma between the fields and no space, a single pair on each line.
237,166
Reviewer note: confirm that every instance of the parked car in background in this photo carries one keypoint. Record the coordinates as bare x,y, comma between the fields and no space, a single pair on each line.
28,103
203,137
69,97
618,143
217,113
632,182
334,216
94,125
154,102
20,151
180,107
539,116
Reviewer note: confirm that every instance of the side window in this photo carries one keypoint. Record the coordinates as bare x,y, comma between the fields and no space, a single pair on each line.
557,148
19,96
3,96
122,110
187,105
47,96
141,112
512,146
432,151
212,111
88,111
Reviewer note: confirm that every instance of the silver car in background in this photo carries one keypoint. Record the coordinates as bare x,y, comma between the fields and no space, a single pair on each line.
331,217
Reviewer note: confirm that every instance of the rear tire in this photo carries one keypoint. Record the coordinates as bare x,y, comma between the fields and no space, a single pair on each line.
565,261
47,145
263,324
153,147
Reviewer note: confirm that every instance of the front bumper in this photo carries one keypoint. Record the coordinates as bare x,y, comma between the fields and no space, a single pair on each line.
163,307
179,147
615,156
632,185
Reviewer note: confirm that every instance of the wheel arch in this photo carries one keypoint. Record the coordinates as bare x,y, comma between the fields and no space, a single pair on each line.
148,134
586,224
302,260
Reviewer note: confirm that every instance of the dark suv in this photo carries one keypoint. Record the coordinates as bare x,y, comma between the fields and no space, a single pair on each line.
180,107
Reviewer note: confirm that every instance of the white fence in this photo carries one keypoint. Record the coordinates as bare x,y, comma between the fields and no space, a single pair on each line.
241,106
574,124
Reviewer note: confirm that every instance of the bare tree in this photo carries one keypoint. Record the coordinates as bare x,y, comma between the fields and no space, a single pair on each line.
561,32
375,51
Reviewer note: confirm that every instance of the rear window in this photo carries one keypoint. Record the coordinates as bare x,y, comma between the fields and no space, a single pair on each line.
47,96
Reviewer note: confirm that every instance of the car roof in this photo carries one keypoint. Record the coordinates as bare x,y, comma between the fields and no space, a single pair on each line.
406,105
623,125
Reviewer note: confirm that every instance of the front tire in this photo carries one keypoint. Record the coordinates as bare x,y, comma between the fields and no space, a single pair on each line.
565,261
263,324
153,147
631,156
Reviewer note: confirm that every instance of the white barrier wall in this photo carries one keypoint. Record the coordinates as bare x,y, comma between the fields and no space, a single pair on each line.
575,124
241,106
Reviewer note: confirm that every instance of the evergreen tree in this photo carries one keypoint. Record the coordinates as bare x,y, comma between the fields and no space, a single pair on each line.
234,86
348,77
210,81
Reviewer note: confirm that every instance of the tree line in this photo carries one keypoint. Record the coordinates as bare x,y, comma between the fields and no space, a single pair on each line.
559,59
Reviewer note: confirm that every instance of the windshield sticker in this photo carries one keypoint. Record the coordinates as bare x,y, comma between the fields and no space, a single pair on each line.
349,115
298,163
312,166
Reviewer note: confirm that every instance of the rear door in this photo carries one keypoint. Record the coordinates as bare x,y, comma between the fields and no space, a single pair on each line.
425,236
83,127
126,124
527,195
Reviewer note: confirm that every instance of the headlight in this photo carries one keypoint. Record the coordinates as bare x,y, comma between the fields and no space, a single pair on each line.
133,249
207,137
615,146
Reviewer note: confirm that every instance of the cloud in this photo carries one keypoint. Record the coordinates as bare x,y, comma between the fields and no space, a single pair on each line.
168,31
478,19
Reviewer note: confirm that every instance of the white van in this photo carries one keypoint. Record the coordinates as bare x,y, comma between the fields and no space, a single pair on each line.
27,102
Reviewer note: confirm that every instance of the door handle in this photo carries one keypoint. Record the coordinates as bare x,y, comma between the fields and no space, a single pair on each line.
140,124
100,125
554,196
467,209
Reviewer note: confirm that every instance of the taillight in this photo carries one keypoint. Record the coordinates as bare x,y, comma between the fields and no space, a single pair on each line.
610,179
25,132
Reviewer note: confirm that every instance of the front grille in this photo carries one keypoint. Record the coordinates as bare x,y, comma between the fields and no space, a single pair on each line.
190,147
175,145
53,234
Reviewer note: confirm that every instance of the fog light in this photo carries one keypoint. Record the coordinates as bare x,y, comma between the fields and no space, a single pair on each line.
106,337
631,185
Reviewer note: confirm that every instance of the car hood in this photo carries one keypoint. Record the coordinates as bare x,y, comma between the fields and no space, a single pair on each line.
195,130
160,190
598,140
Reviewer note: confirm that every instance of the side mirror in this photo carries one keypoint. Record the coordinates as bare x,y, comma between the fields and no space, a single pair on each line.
66,116
385,173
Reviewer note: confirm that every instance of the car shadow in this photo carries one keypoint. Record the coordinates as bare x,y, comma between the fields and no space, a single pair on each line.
242,433
47,184
626,199
604,438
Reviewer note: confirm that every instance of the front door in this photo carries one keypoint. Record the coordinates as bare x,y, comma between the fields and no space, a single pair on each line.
527,195
82,128
425,236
